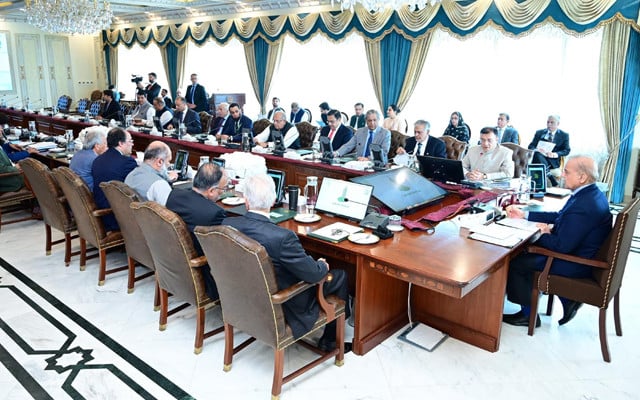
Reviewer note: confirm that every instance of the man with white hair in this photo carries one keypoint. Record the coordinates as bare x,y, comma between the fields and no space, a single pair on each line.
151,179
290,261
290,135
94,143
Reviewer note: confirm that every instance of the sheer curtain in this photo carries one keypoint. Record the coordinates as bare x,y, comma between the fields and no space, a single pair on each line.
139,61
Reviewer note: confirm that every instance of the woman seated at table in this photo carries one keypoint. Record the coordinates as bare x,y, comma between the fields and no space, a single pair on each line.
457,128
393,122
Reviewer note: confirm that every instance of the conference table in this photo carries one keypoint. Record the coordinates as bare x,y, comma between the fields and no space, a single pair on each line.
457,284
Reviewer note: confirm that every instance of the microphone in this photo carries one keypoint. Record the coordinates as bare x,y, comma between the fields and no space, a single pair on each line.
342,199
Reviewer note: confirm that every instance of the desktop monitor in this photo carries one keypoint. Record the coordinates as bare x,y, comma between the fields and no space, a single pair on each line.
326,148
379,162
538,177
401,189
278,143
441,169
344,199
220,162
182,163
278,178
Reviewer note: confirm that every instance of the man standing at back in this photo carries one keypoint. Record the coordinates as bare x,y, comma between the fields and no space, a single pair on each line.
357,120
361,142
151,178
196,95
335,130
113,164
275,102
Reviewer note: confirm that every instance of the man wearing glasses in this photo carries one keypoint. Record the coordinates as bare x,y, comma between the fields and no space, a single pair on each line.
197,206
291,137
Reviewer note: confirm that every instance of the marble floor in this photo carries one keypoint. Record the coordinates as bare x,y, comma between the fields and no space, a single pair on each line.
122,331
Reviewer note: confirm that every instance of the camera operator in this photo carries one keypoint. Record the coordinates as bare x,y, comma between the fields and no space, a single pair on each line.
152,90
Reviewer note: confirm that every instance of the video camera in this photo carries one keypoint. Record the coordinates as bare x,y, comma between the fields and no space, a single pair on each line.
136,78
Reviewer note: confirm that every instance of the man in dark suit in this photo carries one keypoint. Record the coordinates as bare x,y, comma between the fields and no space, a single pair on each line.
186,116
550,159
232,129
275,102
362,140
506,133
110,108
217,125
426,145
167,100
297,113
197,206
113,164
152,89
196,96
357,120
579,229
336,130
290,261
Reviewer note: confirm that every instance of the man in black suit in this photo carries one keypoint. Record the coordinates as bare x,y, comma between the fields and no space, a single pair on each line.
275,102
357,120
290,261
426,145
196,96
113,164
233,127
336,130
217,125
152,89
506,133
110,108
167,100
197,206
186,116
560,139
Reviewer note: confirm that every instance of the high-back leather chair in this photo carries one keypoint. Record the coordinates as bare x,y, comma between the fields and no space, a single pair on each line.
260,125
521,158
53,205
22,197
205,120
455,148
94,108
252,303
308,116
178,266
598,290
64,103
88,220
397,140
307,133
82,105
120,196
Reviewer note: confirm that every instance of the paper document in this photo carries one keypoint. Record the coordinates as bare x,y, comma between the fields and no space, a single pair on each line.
507,242
519,223
545,147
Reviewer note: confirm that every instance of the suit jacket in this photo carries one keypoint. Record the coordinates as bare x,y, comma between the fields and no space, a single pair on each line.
291,264
579,228
199,99
152,91
235,130
297,117
9,183
111,110
358,142
561,140
510,135
217,125
168,102
357,121
110,165
191,121
342,136
435,147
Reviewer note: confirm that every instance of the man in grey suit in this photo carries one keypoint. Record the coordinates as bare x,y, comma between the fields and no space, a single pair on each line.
506,133
365,137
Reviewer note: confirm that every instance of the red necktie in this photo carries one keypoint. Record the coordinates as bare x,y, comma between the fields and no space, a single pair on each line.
332,133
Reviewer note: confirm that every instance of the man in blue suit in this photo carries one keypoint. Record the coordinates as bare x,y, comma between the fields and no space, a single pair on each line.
113,164
335,130
364,137
196,96
506,133
421,144
290,261
186,116
560,139
233,127
579,229
111,108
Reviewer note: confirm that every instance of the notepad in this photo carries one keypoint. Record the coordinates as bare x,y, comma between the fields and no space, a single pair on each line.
336,232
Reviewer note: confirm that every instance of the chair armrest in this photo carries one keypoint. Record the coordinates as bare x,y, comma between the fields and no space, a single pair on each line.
8,174
568,257
198,262
285,294
101,212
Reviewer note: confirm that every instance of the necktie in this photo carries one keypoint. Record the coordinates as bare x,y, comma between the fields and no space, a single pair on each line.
550,136
500,133
366,148
182,115
419,152
193,93
332,133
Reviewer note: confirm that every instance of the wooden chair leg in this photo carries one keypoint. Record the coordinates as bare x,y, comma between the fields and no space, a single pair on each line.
67,249
47,242
102,273
83,254
603,335
550,304
197,348
340,340
616,313
164,309
228,347
278,370
533,315
156,297
132,274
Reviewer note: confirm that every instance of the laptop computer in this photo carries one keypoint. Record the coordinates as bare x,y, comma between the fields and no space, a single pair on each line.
441,169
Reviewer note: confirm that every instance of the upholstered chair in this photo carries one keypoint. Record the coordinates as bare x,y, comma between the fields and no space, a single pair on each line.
521,158
455,148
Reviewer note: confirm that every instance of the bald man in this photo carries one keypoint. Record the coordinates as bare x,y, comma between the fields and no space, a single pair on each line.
151,179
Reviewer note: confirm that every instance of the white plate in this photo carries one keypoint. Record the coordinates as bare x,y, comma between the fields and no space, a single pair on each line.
57,150
363,238
307,218
233,201
395,228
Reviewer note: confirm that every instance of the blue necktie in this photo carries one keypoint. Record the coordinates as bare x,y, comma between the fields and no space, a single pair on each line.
419,149
193,93
366,148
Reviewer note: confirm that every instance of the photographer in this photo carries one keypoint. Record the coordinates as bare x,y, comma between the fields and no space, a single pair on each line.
152,90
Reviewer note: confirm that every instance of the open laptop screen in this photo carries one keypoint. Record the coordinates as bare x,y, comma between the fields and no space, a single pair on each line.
278,179
441,169
344,198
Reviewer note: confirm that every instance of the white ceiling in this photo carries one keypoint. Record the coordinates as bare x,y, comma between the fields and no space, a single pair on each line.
141,11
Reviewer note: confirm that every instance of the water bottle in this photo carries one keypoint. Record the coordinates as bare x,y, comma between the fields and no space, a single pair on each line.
311,194
87,116
246,145
68,135
182,130
524,189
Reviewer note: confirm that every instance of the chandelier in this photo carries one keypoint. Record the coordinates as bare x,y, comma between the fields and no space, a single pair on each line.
84,17
379,5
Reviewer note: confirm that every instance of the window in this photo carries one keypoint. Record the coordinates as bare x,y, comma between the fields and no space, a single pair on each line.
6,79
139,61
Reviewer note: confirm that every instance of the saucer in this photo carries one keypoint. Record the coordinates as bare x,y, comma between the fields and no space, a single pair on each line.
395,228
233,201
307,218
363,238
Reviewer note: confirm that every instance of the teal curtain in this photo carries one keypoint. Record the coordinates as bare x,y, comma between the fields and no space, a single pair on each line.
261,54
107,61
394,60
630,102
170,51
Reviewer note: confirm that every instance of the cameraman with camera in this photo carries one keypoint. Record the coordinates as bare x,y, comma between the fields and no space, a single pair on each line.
152,90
